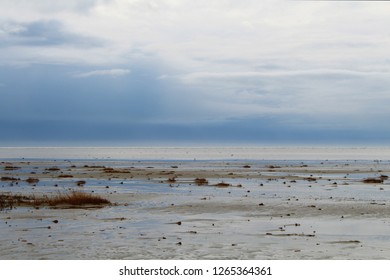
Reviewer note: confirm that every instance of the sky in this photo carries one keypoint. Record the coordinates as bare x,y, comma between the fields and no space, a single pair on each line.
168,72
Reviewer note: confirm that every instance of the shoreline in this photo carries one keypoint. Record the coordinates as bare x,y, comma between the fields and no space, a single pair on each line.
198,153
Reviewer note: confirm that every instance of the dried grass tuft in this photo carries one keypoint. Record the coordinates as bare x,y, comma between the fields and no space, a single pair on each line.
5,178
65,176
53,169
10,168
81,183
373,181
77,198
171,180
201,181
222,185
9,201
32,180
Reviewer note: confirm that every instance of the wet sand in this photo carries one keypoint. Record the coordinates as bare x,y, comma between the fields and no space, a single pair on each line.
238,210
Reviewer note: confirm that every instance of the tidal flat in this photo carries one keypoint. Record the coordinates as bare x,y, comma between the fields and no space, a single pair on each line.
196,209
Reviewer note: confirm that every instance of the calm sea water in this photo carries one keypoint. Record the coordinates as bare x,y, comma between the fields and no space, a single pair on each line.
198,153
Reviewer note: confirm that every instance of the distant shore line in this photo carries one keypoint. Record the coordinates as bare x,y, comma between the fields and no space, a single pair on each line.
199,153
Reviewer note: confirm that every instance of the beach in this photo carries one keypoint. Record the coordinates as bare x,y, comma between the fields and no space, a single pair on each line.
198,203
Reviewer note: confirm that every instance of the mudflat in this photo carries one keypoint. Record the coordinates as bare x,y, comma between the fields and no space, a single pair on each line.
196,209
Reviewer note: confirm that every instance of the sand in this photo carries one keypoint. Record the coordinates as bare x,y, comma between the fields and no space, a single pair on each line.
264,210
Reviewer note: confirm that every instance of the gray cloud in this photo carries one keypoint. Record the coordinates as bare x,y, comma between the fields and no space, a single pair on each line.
44,34
106,72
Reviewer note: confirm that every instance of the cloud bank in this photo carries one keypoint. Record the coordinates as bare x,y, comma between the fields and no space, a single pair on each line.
302,67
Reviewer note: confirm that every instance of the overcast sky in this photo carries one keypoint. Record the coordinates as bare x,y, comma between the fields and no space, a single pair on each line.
136,72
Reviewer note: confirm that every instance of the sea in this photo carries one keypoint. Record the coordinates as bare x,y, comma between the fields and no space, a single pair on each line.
197,153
